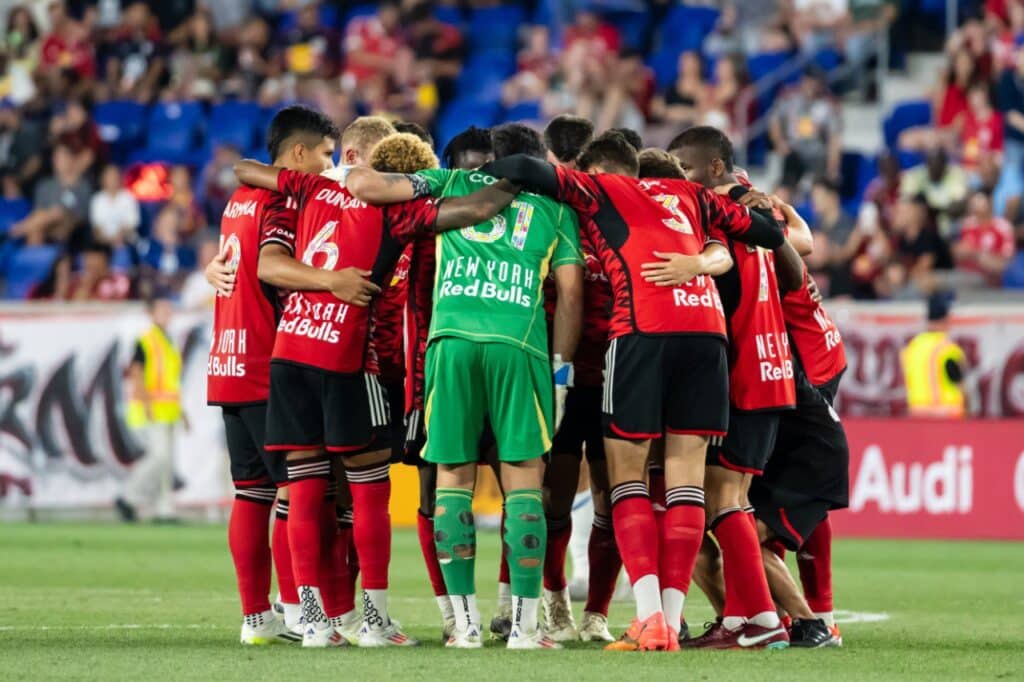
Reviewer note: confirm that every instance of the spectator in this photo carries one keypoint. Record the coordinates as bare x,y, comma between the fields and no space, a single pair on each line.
832,229
626,98
95,281
986,244
371,46
21,49
679,104
730,105
218,182
21,149
884,190
197,63
74,128
943,186
588,58
981,134
749,27
805,130
137,64
1008,194
439,50
255,73
815,23
196,292
866,254
166,255
536,65
919,250
60,204
949,106
67,47
114,211
869,22
184,201
227,17
311,49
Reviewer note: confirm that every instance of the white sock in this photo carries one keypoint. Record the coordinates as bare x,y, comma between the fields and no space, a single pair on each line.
344,619
312,605
579,540
733,622
444,603
375,608
524,614
504,595
466,611
767,619
829,617
672,601
647,592
292,613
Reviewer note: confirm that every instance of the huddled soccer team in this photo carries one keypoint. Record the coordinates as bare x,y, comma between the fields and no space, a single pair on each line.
537,300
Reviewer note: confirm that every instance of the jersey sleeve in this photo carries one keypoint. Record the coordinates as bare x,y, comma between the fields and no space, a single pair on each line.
409,219
567,248
299,186
736,220
437,179
577,189
277,222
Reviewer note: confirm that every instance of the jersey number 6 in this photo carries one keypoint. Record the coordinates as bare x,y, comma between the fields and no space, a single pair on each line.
320,244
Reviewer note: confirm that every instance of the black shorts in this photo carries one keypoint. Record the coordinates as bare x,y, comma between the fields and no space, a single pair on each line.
396,425
415,438
794,523
749,443
311,409
665,384
580,429
244,428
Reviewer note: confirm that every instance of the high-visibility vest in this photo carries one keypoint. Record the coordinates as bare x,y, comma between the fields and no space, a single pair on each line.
161,373
930,392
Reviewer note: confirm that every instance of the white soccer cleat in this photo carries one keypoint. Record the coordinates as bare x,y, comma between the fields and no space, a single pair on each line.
465,639
265,628
372,636
595,628
322,638
558,621
348,626
537,639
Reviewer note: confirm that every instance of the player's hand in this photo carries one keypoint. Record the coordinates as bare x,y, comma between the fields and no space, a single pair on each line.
562,373
756,199
352,286
673,269
220,275
812,289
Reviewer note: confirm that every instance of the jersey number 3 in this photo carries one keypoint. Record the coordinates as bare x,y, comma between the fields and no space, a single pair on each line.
498,224
678,222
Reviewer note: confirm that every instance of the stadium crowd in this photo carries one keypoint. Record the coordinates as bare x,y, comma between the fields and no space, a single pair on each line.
119,120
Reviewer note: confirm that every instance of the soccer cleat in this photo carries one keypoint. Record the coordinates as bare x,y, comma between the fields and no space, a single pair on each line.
558,621
125,510
501,624
595,628
531,640
715,636
322,638
684,632
348,626
648,635
810,634
752,636
465,639
372,636
672,643
837,637
266,628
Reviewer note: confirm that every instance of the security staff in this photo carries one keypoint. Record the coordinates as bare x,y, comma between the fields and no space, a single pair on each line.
934,367
154,411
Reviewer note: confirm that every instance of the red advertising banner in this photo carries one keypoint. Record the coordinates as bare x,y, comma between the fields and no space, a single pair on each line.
917,478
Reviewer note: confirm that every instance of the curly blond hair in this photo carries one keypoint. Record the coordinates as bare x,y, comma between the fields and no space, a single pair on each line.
402,153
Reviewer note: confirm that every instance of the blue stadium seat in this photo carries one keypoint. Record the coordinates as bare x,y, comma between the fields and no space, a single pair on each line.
175,132
28,266
462,113
483,74
828,59
632,26
495,28
328,16
234,123
1013,278
903,116
908,159
449,14
665,64
11,211
761,64
684,27
524,111
122,125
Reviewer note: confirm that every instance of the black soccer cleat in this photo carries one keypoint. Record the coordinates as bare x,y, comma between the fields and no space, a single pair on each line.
125,510
810,633
501,628
684,632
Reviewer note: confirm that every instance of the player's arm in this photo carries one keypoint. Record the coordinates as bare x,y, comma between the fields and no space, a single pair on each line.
374,187
475,208
798,232
256,174
220,275
568,319
674,269
278,267
789,267
533,175
753,226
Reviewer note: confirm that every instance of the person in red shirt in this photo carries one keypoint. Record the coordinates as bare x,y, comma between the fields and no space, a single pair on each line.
325,395
371,46
95,281
67,47
982,131
666,367
986,244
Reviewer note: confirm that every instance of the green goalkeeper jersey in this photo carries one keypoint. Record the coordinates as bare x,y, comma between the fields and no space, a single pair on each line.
489,284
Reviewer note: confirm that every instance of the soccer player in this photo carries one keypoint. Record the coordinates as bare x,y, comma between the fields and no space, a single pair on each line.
666,367
565,137
760,388
238,371
324,391
487,358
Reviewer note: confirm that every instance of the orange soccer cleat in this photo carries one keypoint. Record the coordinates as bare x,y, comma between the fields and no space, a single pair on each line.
650,634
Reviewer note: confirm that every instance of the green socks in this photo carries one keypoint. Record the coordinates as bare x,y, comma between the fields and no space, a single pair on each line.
526,537
455,538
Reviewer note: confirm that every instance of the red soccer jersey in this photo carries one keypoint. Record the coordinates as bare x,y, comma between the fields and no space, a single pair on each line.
418,307
626,220
388,323
335,231
815,336
238,370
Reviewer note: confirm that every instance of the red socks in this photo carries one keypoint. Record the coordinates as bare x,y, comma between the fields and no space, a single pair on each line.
282,555
559,531
636,531
605,564
815,563
681,536
746,587
307,484
333,564
249,544
656,475
371,531
425,530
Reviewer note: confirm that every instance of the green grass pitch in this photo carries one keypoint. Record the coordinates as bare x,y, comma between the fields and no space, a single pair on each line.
111,602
